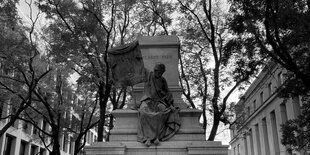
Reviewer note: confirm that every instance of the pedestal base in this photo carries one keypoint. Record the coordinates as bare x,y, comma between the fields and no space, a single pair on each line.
165,148
125,127
190,139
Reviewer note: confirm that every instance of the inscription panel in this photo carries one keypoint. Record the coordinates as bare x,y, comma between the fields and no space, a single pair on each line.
166,55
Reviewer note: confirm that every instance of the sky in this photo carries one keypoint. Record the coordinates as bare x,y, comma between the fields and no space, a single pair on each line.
24,11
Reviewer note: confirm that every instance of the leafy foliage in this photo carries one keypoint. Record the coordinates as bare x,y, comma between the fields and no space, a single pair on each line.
277,29
80,37
295,132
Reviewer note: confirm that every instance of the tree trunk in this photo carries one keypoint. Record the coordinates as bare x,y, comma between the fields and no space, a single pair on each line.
204,123
216,122
56,145
102,109
216,113
103,99
76,147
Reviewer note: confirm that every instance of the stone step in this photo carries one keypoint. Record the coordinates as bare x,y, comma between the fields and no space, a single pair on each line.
165,148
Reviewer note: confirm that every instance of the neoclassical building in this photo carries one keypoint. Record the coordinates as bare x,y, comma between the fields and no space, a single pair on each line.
260,113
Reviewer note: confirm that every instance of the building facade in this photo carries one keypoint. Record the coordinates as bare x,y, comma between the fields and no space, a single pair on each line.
260,113
23,139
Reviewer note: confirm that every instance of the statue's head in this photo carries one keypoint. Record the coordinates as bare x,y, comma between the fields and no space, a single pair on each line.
159,70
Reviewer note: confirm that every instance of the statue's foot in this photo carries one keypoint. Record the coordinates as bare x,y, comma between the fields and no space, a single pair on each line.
147,143
156,142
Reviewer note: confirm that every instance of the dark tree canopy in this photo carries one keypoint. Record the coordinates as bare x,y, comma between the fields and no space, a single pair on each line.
278,29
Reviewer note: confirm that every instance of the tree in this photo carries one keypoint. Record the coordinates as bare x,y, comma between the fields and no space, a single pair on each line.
160,13
211,37
56,112
20,73
27,79
81,33
80,36
295,132
280,30
50,108
84,116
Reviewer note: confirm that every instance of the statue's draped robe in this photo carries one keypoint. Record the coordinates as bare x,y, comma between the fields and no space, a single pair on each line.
156,118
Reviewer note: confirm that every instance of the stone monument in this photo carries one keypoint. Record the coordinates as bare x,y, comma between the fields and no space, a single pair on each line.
189,140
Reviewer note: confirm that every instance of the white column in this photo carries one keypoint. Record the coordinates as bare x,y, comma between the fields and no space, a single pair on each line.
249,144
245,146
275,130
252,141
13,145
45,152
262,127
293,108
66,143
281,117
71,145
16,145
61,141
36,151
256,140
27,149
270,133
296,106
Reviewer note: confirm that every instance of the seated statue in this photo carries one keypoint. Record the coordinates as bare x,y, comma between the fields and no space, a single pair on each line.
158,119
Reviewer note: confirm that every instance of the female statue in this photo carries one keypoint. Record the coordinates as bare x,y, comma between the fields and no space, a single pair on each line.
158,118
